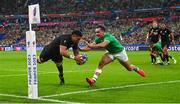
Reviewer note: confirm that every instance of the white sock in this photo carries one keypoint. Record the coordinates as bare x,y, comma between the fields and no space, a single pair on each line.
95,77
135,68
96,74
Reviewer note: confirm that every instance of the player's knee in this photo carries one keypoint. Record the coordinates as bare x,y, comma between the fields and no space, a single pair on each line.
106,60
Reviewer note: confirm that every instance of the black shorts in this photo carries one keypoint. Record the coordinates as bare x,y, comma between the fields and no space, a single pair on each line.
48,54
165,45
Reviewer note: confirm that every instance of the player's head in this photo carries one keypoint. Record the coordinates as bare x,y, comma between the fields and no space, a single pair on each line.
100,30
155,24
163,26
76,36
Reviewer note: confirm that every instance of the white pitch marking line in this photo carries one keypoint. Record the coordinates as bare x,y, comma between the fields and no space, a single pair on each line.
41,99
112,88
15,75
19,71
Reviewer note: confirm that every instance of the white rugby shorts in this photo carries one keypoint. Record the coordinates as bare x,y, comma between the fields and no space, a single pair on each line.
121,56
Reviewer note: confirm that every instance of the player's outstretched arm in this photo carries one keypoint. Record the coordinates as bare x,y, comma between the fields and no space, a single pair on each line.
64,52
76,52
85,49
83,45
100,45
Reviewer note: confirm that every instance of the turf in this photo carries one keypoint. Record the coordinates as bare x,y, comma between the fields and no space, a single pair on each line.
161,85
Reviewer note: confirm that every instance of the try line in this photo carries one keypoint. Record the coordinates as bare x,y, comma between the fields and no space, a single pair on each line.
41,73
111,88
40,99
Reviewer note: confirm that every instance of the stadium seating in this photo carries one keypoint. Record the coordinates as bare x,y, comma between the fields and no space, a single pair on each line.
123,18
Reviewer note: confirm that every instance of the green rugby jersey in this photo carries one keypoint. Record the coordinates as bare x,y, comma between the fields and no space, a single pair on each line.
114,46
158,46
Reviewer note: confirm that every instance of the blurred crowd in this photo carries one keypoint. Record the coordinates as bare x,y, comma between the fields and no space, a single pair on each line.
66,6
120,21
119,28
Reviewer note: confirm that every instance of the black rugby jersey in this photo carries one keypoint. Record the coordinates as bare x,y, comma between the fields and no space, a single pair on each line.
154,35
64,40
165,35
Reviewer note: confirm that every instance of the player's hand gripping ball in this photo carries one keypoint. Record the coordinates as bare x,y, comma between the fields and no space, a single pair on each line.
84,58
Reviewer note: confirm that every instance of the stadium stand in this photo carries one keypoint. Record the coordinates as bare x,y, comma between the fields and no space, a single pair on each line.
129,20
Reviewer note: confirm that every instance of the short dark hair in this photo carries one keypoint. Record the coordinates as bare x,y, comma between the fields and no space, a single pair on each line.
77,32
101,27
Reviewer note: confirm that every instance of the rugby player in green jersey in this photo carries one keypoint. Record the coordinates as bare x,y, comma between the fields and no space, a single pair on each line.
114,51
157,52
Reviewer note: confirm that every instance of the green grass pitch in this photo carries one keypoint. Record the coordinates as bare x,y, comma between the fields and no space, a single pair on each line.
115,85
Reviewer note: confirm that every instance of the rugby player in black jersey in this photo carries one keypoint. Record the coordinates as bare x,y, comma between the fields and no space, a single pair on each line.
58,49
152,38
166,38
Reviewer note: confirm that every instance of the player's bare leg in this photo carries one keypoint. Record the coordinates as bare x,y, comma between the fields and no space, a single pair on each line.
104,61
131,67
61,74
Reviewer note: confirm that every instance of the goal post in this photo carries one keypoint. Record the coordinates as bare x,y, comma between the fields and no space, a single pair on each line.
32,64
34,18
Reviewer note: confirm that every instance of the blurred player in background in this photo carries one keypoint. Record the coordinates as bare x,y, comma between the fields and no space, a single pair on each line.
152,38
59,48
166,38
114,51
157,51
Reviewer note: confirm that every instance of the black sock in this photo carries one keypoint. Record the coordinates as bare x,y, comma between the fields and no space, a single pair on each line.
60,69
164,58
152,59
167,58
161,56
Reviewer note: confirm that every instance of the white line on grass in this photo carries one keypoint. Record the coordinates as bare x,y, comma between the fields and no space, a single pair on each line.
14,70
20,70
16,75
41,99
112,88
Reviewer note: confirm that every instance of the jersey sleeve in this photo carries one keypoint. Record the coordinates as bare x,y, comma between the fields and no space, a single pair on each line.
107,38
63,42
96,40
